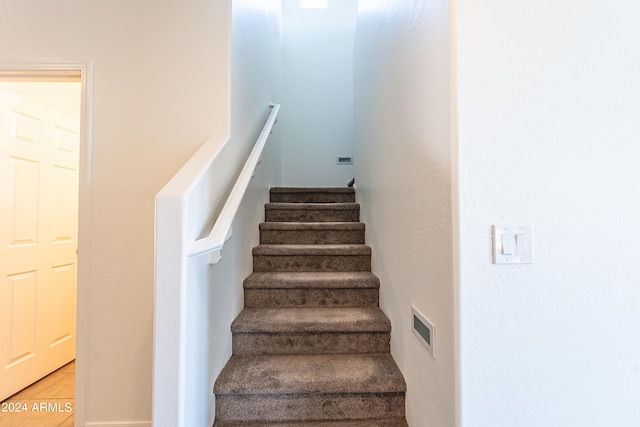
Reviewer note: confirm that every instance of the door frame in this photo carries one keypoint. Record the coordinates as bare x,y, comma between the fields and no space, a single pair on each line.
45,70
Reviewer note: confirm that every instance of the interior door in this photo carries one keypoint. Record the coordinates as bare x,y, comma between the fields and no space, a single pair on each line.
39,158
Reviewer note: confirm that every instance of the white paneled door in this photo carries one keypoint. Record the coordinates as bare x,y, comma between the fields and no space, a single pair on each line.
38,240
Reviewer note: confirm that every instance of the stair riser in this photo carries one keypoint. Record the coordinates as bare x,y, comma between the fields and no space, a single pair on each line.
312,237
312,197
397,422
276,263
312,215
303,407
310,343
281,298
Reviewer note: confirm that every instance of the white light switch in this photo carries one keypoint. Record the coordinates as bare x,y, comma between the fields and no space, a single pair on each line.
512,244
521,244
507,243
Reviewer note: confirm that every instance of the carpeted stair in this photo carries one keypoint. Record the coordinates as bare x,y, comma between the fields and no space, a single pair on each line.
311,347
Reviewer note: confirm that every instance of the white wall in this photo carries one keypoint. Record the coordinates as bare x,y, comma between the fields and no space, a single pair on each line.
161,79
317,107
256,62
549,124
403,174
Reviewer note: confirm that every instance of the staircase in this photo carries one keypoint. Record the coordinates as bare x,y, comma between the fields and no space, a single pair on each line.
311,347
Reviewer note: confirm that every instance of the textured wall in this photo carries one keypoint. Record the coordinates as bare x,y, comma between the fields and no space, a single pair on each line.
161,73
317,106
549,124
403,174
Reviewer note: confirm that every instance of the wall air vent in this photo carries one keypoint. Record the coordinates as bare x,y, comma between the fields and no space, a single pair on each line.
424,330
344,160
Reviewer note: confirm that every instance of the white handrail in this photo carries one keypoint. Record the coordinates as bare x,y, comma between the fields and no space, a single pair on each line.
221,230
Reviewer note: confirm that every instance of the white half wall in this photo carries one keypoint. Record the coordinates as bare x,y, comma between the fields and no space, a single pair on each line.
549,131
161,87
403,175
317,106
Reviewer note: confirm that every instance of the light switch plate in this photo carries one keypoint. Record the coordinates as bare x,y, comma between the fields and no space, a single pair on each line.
519,244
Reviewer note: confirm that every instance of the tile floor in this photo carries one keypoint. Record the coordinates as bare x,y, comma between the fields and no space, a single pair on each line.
46,403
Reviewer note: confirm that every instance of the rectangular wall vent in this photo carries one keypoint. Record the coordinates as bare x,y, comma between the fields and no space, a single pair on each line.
344,160
424,330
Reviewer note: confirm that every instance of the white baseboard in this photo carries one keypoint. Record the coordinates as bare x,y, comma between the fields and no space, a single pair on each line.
119,424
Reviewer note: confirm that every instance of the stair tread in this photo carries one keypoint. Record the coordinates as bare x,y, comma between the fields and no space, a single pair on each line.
306,374
312,249
311,226
391,422
305,279
312,319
